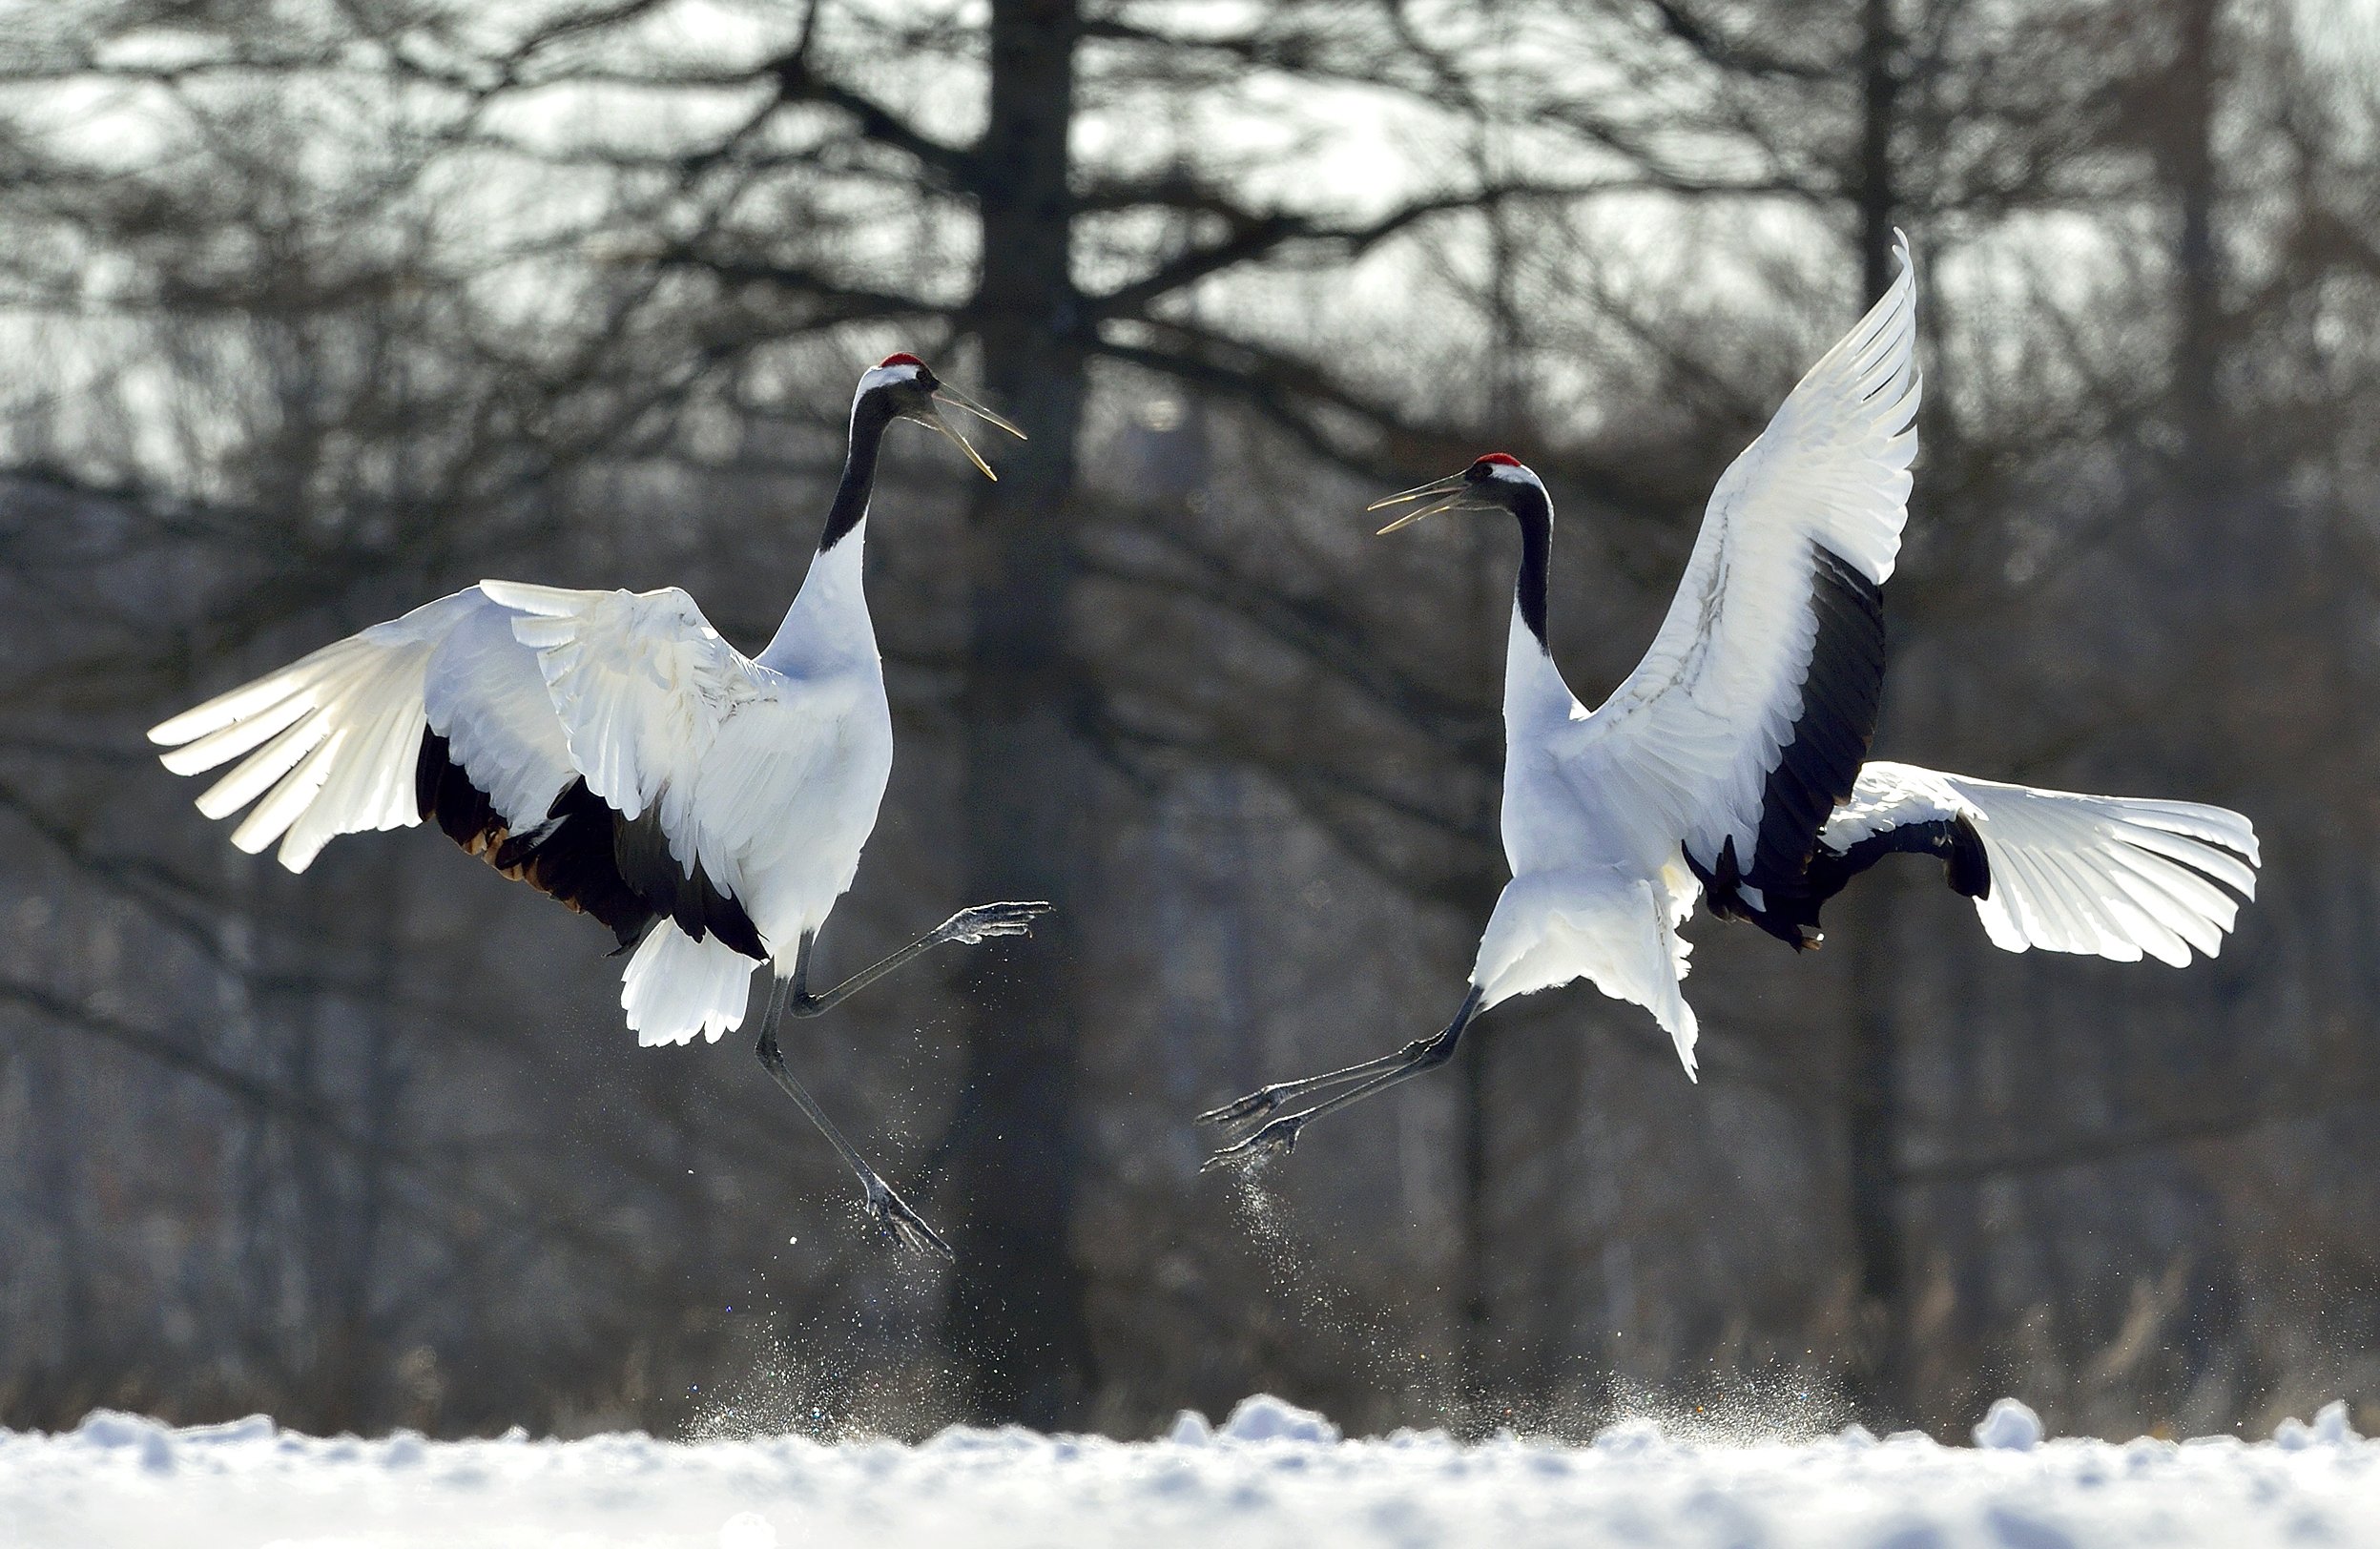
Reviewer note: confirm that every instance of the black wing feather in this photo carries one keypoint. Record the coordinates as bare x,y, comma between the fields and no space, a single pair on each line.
688,895
585,855
1818,765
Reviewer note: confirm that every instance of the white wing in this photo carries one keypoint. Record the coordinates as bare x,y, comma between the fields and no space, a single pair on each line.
483,694
662,713
534,687
330,739
1764,678
760,784
641,680
2112,876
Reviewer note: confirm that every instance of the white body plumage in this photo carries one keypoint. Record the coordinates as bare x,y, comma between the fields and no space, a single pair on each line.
767,771
1734,757
1731,767
612,751
761,775
1601,806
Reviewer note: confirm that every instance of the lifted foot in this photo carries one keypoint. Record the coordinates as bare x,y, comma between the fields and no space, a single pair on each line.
901,1224
972,925
1255,1105
1278,1138
1265,1100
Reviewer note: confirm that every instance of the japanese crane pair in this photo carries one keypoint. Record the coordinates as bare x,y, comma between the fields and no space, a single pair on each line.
610,750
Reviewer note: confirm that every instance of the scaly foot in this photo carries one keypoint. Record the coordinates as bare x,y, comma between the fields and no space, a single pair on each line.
984,919
1278,1138
904,1224
1255,1105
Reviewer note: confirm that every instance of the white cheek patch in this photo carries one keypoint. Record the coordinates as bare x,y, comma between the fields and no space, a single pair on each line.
884,376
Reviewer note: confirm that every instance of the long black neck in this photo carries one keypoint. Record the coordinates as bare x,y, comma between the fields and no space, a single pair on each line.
869,418
1536,515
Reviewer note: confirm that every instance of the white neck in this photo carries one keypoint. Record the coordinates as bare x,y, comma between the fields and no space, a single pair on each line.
828,625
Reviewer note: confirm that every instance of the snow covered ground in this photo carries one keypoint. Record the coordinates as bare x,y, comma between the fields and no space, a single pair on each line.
1273,1475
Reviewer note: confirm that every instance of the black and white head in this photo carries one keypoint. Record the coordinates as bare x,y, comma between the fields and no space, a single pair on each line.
904,388
1499,481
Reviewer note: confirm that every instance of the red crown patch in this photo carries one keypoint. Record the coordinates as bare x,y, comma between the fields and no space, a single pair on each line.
1506,459
900,359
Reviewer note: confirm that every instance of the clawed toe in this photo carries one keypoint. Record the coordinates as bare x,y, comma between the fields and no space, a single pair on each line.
904,1226
1255,1105
1278,1138
988,919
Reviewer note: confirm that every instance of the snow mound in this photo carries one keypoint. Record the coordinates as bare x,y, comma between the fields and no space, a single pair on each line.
1264,1418
1190,1429
2009,1425
1273,1477
2330,1429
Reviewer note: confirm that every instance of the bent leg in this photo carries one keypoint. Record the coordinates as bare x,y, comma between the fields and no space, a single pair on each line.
886,1208
968,926
1280,1135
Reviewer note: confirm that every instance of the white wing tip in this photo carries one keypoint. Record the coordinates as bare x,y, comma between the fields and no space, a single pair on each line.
202,720
529,597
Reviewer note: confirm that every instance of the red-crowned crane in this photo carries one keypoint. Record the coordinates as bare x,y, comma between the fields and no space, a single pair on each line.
1732,763
610,750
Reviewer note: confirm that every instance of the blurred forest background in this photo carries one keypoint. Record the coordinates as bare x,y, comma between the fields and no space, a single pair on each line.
314,309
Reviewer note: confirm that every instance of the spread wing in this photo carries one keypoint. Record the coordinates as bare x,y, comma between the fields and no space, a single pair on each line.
1748,719
641,682
562,734
2110,877
605,746
654,707
326,745
624,690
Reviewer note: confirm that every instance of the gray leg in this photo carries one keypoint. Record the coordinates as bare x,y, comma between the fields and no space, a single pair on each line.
1265,1098
886,1208
968,926
1280,1136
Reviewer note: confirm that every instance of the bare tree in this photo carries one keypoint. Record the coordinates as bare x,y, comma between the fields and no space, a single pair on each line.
341,306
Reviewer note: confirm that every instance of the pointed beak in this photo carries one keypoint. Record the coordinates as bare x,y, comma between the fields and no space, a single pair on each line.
944,393
1449,490
939,422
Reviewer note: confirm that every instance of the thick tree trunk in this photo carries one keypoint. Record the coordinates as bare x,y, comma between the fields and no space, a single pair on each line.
1873,1110
1015,1323
1879,1370
2219,556
1879,74
1475,1377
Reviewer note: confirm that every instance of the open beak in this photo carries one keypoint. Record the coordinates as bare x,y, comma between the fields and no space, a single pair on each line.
944,393
1449,490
